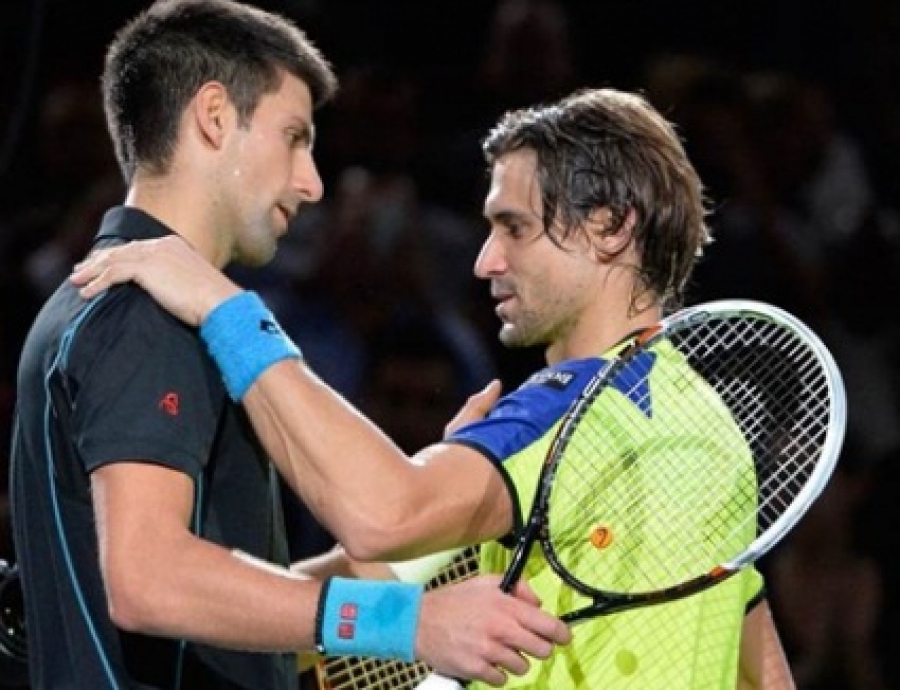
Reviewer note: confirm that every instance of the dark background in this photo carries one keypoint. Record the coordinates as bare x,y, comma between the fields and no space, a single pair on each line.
834,584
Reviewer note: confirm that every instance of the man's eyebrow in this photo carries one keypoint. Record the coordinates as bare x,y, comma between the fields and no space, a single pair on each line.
506,216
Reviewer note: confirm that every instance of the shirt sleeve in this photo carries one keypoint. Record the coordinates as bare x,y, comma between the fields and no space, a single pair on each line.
516,432
143,386
526,415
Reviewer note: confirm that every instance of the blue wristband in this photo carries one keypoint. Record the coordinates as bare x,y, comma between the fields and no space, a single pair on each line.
244,339
368,618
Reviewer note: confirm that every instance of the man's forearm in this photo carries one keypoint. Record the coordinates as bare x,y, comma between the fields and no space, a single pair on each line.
367,491
763,663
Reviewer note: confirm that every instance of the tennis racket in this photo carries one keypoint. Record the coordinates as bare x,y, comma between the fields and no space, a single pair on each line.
691,453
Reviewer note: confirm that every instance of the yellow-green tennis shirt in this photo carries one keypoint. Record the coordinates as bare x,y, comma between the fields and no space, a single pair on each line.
692,643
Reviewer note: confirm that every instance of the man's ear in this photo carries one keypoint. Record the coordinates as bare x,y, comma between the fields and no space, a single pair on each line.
610,235
212,112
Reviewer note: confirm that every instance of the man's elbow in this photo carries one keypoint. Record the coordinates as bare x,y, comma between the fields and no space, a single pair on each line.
131,603
139,595
381,536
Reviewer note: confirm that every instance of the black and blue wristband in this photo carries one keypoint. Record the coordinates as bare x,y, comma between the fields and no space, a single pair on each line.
244,339
368,618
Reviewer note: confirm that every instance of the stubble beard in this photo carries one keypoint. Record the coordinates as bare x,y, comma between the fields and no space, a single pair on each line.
525,332
258,244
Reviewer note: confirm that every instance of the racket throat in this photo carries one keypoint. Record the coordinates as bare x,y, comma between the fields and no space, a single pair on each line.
618,603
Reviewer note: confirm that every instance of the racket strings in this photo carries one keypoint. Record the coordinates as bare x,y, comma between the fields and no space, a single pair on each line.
786,436
779,371
665,478
647,504
352,673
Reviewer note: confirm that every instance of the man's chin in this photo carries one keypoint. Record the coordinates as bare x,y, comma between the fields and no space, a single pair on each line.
510,336
258,258
252,262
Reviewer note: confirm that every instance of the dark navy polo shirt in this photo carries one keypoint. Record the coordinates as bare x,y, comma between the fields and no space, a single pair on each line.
118,379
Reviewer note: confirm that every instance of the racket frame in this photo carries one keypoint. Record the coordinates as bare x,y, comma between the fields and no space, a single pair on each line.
605,602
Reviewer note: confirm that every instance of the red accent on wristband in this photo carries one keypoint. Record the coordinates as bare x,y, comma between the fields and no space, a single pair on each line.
346,631
349,611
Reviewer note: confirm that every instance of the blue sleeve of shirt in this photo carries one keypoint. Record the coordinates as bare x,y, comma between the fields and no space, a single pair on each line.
528,413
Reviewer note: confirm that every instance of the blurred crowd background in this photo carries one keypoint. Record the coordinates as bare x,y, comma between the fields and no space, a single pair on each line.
789,109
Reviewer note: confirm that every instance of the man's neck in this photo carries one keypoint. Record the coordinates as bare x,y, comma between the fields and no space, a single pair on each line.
594,337
168,202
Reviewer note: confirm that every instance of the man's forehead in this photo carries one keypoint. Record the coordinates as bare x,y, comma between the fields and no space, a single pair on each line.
291,104
514,182
294,93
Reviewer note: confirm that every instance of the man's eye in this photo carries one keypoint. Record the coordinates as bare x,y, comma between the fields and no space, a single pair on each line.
298,140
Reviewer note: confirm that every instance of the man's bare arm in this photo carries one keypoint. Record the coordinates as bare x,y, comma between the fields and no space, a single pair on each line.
163,580
763,663
380,504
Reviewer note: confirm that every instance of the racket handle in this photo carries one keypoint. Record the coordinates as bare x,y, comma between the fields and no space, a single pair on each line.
435,681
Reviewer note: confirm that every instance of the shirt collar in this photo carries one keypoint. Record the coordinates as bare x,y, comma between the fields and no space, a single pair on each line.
130,223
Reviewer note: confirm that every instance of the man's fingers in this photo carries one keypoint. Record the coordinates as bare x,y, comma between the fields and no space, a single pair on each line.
472,629
89,268
539,632
95,286
105,267
476,407
179,278
96,276
486,398
522,590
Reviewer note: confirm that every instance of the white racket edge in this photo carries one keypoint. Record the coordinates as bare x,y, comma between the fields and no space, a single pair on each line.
422,569
836,429
435,681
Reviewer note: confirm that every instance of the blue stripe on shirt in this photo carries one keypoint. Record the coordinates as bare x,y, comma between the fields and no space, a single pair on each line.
527,414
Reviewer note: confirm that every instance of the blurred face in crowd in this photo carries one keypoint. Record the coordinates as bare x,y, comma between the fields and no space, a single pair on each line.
412,397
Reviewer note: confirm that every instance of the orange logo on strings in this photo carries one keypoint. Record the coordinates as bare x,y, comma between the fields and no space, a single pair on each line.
601,536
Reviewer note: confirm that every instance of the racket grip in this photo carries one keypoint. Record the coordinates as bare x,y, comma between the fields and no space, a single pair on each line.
435,681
